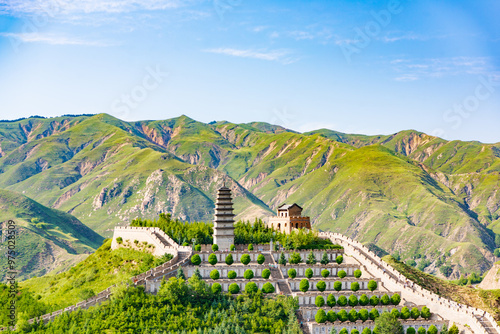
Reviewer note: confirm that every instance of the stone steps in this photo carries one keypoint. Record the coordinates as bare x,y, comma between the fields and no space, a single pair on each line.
487,325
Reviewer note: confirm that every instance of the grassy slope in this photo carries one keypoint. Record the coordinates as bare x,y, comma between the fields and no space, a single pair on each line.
488,300
56,241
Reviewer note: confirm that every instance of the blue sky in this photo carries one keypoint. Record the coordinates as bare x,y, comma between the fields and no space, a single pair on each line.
372,67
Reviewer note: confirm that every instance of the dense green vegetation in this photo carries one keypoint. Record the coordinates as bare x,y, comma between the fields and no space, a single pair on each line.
179,307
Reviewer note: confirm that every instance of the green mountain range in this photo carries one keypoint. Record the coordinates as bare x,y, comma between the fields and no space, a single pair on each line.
46,239
431,201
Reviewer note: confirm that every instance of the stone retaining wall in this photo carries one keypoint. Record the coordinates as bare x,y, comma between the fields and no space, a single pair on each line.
325,328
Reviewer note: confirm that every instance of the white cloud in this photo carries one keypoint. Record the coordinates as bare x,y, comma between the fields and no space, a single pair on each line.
273,55
53,39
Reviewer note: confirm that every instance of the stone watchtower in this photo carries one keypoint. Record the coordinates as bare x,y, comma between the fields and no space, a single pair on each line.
224,219
289,217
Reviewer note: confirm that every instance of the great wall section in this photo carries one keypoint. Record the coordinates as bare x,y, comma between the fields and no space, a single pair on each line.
356,256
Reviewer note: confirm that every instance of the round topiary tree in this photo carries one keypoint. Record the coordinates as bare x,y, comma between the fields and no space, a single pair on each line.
266,273
341,274
197,248
295,258
415,313
212,259
216,288
229,259
304,285
411,330
354,331
331,316
353,300
330,300
231,274
215,247
337,286
421,330
234,288
325,273
342,301
292,273
363,300
232,248
196,259
374,301
339,259
374,314
321,286
343,331
251,287
282,259
308,273
260,259
248,274
372,285
268,288
353,315
425,313
395,299
354,286
214,274
342,315
395,313
357,273
432,330
250,247
405,313
320,316
363,315
245,259
366,331
385,300
320,301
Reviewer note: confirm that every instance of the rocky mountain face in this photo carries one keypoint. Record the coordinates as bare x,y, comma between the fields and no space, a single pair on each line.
429,200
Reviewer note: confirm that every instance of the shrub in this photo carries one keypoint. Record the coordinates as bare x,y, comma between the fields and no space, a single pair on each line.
250,247
432,330
342,301
341,274
119,240
251,287
337,286
229,259
292,273
343,331
136,242
214,274
357,273
304,285
354,331
363,315
311,259
282,259
231,274
232,248
321,286
374,301
320,316
185,243
421,330
425,313
342,315
324,259
405,313
215,247
330,300
366,331
363,300
216,288
354,286
248,274
353,300
374,314
268,288
212,259
395,313
353,315
325,273
372,285
453,329
395,299
411,330
295,258
197,248
339,259
196,259
245,259
266,273
260,259
309,273
234,288
415,313
385,300
320,301
331,316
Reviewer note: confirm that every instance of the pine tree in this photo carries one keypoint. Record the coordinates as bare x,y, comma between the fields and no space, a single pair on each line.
311,259
324,259
282,259
180,273
197,273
